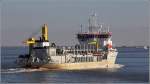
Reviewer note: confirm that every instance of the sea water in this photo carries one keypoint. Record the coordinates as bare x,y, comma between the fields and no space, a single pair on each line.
135,70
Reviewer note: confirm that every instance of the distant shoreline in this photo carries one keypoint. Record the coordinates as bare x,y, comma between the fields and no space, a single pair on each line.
132,46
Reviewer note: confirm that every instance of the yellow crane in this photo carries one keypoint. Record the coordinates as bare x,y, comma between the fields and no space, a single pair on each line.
32,41
44,36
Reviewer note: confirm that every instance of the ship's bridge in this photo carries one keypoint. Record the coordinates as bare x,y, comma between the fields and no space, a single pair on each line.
84,36
98,34
100,37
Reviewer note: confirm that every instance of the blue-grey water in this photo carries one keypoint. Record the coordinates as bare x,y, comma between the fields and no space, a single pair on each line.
136,69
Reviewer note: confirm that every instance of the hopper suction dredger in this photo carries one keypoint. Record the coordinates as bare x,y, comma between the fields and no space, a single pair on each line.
94,50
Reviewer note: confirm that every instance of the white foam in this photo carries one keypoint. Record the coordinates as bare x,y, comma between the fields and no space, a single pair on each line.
113,67
19,70
116,66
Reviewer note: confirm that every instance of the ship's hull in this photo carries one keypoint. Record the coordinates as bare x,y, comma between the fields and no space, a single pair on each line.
59,64
81,66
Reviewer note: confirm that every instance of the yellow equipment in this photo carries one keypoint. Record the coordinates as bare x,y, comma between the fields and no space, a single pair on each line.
30,41
44,36
45,32
95,42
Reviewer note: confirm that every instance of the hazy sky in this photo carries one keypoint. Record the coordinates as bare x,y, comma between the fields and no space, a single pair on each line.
128,19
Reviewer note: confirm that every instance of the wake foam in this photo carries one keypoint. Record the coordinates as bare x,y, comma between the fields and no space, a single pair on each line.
20,70
115,66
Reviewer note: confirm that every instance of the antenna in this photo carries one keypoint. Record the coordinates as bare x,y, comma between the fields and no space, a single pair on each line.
108,28
100,28
92,22
81,27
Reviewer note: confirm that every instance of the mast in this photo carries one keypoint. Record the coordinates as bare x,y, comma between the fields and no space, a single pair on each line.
81,27
92,22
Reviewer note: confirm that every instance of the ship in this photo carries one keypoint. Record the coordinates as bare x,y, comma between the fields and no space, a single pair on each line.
93,50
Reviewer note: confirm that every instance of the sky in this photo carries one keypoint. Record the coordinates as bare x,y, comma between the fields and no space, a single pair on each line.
128,20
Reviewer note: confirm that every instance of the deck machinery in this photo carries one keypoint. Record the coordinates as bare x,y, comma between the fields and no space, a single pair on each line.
38,50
